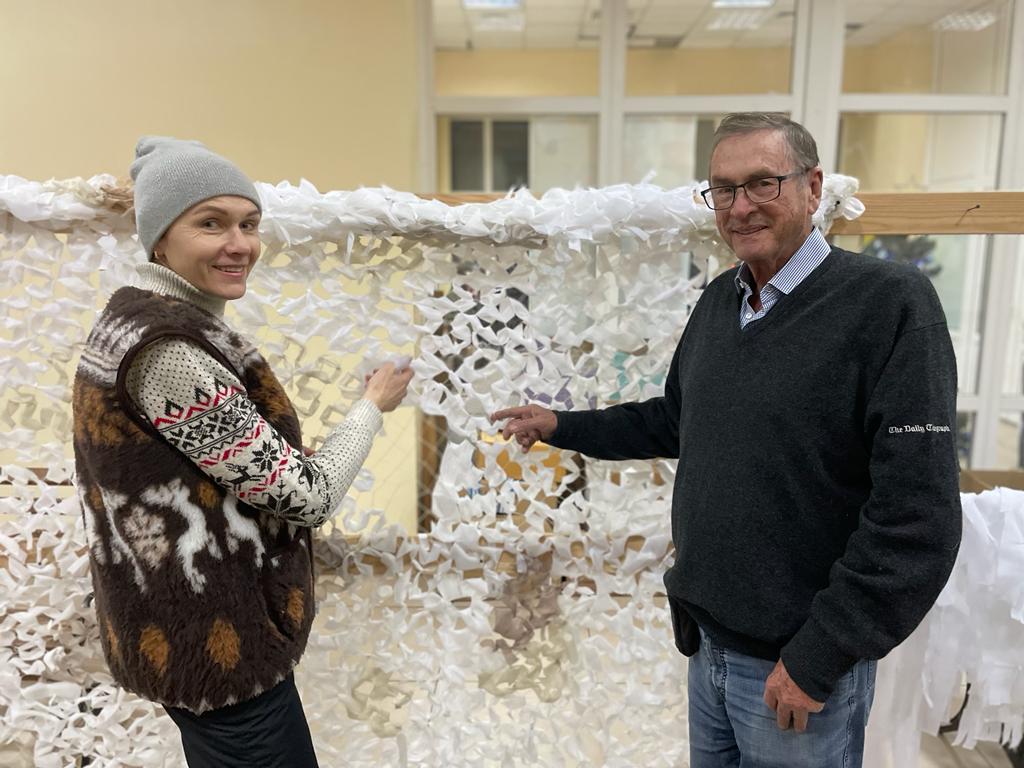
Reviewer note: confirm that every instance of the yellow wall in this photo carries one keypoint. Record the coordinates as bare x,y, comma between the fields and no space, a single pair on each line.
887,151
902,63
529,72
704,71
444,154
321,89
916,151
324,89
575,72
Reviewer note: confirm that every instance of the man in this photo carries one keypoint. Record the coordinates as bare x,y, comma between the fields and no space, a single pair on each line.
811,403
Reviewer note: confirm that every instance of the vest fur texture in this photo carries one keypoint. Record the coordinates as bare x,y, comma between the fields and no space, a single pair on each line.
202,600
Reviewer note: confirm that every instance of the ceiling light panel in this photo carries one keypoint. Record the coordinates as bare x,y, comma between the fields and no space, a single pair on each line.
742,3
491,5
966,21
736,20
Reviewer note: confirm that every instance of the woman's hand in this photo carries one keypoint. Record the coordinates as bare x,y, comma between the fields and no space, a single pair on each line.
387,387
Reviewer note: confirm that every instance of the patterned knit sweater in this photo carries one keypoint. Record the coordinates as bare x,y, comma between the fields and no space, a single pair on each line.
197,498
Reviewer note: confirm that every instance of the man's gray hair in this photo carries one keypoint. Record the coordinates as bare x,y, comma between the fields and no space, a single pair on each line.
802,149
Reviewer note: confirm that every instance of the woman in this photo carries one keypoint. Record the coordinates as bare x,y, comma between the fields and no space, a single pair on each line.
197,495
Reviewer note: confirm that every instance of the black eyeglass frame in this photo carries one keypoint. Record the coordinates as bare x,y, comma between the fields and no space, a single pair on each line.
778,190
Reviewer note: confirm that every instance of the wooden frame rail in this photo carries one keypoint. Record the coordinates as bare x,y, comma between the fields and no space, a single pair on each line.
900,213
936,213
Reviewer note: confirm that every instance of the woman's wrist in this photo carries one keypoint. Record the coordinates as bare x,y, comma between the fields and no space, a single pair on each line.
367,408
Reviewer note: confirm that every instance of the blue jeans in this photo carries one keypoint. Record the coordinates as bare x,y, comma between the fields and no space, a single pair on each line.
732,727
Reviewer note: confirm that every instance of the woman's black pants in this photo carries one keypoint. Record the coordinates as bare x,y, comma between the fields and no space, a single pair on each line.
269,731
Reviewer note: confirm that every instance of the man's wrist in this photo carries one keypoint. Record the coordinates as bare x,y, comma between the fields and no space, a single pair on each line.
814,662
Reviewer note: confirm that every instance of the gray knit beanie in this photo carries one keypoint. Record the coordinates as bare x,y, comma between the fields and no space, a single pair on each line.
171,176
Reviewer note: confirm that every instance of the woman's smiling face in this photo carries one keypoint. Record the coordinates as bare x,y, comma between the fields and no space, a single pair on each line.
213,245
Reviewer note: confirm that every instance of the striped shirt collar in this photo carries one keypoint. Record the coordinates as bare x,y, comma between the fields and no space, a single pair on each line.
800,265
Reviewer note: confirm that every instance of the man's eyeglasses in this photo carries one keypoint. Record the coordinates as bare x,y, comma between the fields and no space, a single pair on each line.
758,191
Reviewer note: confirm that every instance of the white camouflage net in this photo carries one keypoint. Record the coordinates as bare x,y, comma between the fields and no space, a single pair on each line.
527,627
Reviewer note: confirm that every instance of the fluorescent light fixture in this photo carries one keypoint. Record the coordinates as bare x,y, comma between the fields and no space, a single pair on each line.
491,5
732,20
965,21
742,3
499,22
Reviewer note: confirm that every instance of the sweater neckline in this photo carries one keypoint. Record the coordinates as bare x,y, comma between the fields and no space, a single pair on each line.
784,303
159,279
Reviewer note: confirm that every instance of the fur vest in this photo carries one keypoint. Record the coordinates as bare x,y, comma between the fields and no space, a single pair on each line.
202,600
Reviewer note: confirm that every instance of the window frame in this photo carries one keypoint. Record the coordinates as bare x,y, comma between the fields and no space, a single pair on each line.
817,101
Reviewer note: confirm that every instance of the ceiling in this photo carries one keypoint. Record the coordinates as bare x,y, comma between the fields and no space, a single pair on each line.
674,23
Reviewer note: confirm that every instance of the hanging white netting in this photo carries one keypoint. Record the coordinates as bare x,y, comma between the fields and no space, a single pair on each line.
527,626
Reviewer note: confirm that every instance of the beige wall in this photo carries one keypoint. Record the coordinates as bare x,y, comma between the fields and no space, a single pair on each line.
707,71
444,154
885,152
899,64
325,89
574,72
529,72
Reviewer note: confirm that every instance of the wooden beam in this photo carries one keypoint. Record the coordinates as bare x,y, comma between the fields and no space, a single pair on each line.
900,213
936,213
462,198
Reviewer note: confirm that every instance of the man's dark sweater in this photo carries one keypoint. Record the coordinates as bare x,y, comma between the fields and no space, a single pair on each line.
816,514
